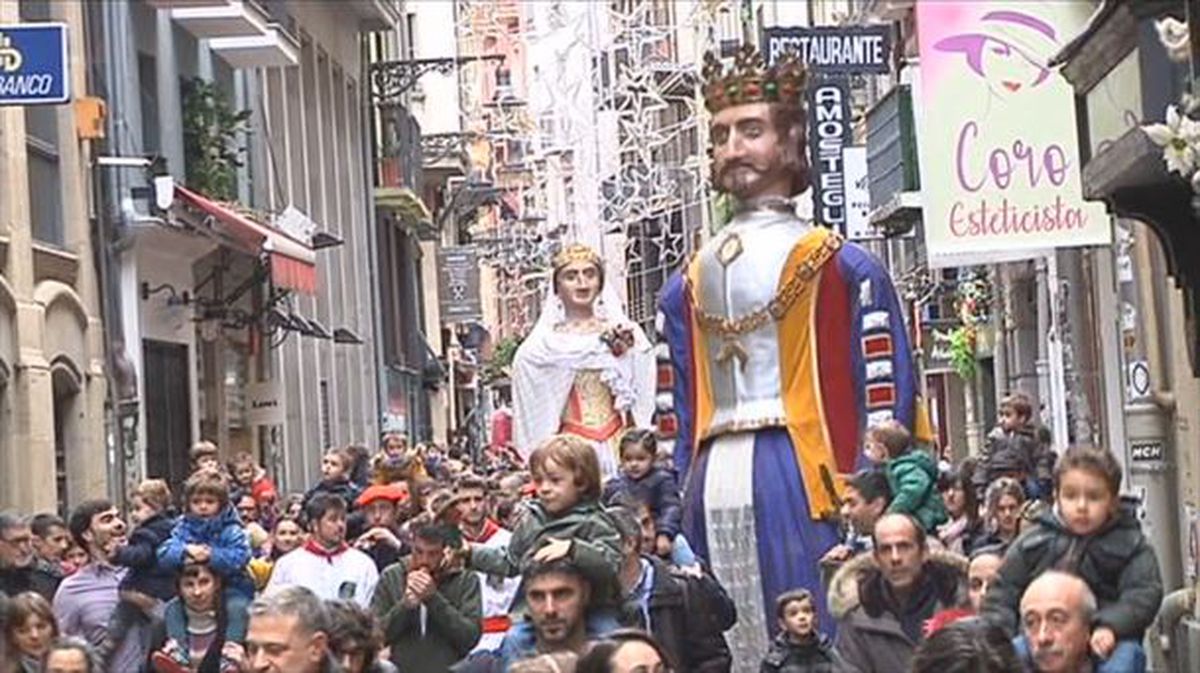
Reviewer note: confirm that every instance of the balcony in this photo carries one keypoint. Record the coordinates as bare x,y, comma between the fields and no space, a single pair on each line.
273,49
233,18
376,15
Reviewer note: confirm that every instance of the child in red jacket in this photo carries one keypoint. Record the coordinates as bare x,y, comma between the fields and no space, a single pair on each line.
251,478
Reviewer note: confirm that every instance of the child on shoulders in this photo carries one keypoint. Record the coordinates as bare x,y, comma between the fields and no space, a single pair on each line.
645,481
1087,533
148,584
335,478
565,521
211,533
1011,449
911,474
250,477
397,462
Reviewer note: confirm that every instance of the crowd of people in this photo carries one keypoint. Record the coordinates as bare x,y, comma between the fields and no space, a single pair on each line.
420,560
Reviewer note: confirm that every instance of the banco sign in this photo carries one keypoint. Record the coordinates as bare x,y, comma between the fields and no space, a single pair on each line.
33,64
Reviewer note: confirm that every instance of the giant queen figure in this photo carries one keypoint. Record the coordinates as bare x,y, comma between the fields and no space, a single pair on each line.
787,342
584,369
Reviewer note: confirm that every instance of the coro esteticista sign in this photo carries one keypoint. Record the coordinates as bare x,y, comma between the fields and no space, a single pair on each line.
33,64
1000,169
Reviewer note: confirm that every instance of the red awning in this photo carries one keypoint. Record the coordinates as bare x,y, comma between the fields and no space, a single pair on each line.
293,264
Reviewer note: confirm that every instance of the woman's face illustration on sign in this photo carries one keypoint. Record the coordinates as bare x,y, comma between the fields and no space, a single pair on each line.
1009,51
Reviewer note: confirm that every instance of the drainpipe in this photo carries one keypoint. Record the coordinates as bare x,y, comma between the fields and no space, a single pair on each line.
1164,650
112,56
367,112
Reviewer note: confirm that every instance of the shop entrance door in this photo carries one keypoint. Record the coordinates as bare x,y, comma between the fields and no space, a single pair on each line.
168,411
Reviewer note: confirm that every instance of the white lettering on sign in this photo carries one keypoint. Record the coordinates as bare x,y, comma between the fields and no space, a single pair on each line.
830,126
831,50
1146,451
26,85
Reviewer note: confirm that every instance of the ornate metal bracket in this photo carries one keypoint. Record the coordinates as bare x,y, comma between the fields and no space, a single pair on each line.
438,146
390,79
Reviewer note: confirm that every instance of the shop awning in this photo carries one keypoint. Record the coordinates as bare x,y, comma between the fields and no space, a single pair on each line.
292,262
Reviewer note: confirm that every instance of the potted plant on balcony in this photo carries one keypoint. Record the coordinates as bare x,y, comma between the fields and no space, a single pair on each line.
212,154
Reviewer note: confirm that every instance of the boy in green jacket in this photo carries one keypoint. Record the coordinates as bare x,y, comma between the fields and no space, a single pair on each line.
911,473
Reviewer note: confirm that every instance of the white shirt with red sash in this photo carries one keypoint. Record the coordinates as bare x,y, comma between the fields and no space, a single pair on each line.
496,593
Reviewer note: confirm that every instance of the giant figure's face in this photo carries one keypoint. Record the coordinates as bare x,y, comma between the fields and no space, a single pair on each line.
578,285
753,156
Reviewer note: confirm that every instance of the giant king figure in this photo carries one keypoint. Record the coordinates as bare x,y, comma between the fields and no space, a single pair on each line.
787,342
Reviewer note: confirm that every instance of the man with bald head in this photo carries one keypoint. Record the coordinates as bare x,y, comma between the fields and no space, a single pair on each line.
882,598
1056,619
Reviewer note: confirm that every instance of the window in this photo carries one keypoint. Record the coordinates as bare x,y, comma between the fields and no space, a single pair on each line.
148,76
45,181
410,36
323,414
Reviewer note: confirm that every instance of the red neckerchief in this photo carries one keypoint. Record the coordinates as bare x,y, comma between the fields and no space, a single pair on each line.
490,528
328,554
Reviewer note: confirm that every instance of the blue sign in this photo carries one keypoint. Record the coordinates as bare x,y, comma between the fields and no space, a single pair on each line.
33,64
833,49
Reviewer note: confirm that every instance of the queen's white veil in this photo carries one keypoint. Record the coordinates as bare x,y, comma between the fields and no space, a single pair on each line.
546,363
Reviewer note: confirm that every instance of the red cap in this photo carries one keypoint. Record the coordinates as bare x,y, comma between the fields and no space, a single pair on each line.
389,492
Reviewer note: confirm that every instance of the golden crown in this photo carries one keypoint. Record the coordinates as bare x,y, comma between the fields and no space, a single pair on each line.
576,252
751,81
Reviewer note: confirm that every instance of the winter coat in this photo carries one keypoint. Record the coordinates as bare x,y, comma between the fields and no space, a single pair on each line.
1117,563
1006,453
874,635
224,535
688,617
595,548
452,624
173,626
146,575
36,577
912,479
816,656
345,488
659,491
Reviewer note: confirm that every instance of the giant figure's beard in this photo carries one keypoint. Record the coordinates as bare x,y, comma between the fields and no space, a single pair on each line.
739,182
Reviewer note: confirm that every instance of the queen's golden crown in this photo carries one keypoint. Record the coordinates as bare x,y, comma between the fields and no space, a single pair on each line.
751,81
576,252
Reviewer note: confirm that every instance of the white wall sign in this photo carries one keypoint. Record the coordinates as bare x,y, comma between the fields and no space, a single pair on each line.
265,403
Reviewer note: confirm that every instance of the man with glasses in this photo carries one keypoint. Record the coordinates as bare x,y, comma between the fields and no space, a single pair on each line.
18,570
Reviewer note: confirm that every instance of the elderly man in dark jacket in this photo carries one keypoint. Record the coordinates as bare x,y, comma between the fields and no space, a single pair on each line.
19,570
881,599
1117,563
686,609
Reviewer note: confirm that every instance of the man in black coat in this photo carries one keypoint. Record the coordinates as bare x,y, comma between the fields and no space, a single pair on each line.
18,571
685,609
